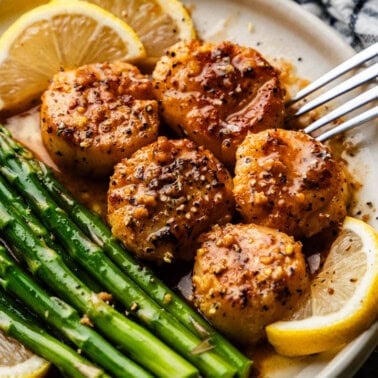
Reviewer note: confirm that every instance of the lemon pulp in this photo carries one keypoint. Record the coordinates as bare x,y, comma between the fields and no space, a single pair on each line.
343,300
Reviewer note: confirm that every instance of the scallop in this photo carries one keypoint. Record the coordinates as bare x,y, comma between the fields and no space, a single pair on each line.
97,114
165,195
246,276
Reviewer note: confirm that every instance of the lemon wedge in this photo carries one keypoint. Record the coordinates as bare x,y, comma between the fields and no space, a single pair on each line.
17,361
158,23
54,36
343,301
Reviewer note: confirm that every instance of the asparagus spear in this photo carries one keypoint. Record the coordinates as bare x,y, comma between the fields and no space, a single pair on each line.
93,226
44,262
91,256
40,230
14,323
65,320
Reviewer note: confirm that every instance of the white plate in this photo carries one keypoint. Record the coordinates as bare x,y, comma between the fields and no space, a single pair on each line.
278,29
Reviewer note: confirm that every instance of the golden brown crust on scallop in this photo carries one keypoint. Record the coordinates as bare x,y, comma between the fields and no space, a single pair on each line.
215,94
95,115
246,276
165,195
287,180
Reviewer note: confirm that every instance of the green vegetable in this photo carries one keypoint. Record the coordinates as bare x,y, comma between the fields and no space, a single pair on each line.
44,262
65,320
40,230
16,324
93,226
89,255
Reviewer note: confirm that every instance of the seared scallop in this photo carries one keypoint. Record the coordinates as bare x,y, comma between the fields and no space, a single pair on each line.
216,93
246,276
287,180
165,195
94,116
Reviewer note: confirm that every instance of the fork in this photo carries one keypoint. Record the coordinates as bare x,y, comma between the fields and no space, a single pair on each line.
367,97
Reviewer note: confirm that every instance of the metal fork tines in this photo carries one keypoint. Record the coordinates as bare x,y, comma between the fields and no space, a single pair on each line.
370,96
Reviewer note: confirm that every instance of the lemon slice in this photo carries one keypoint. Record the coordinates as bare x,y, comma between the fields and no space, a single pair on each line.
158,23
54,36
17,361
343,300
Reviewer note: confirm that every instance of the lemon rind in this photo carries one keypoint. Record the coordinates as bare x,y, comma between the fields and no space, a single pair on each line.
46,11
311,335
174,8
